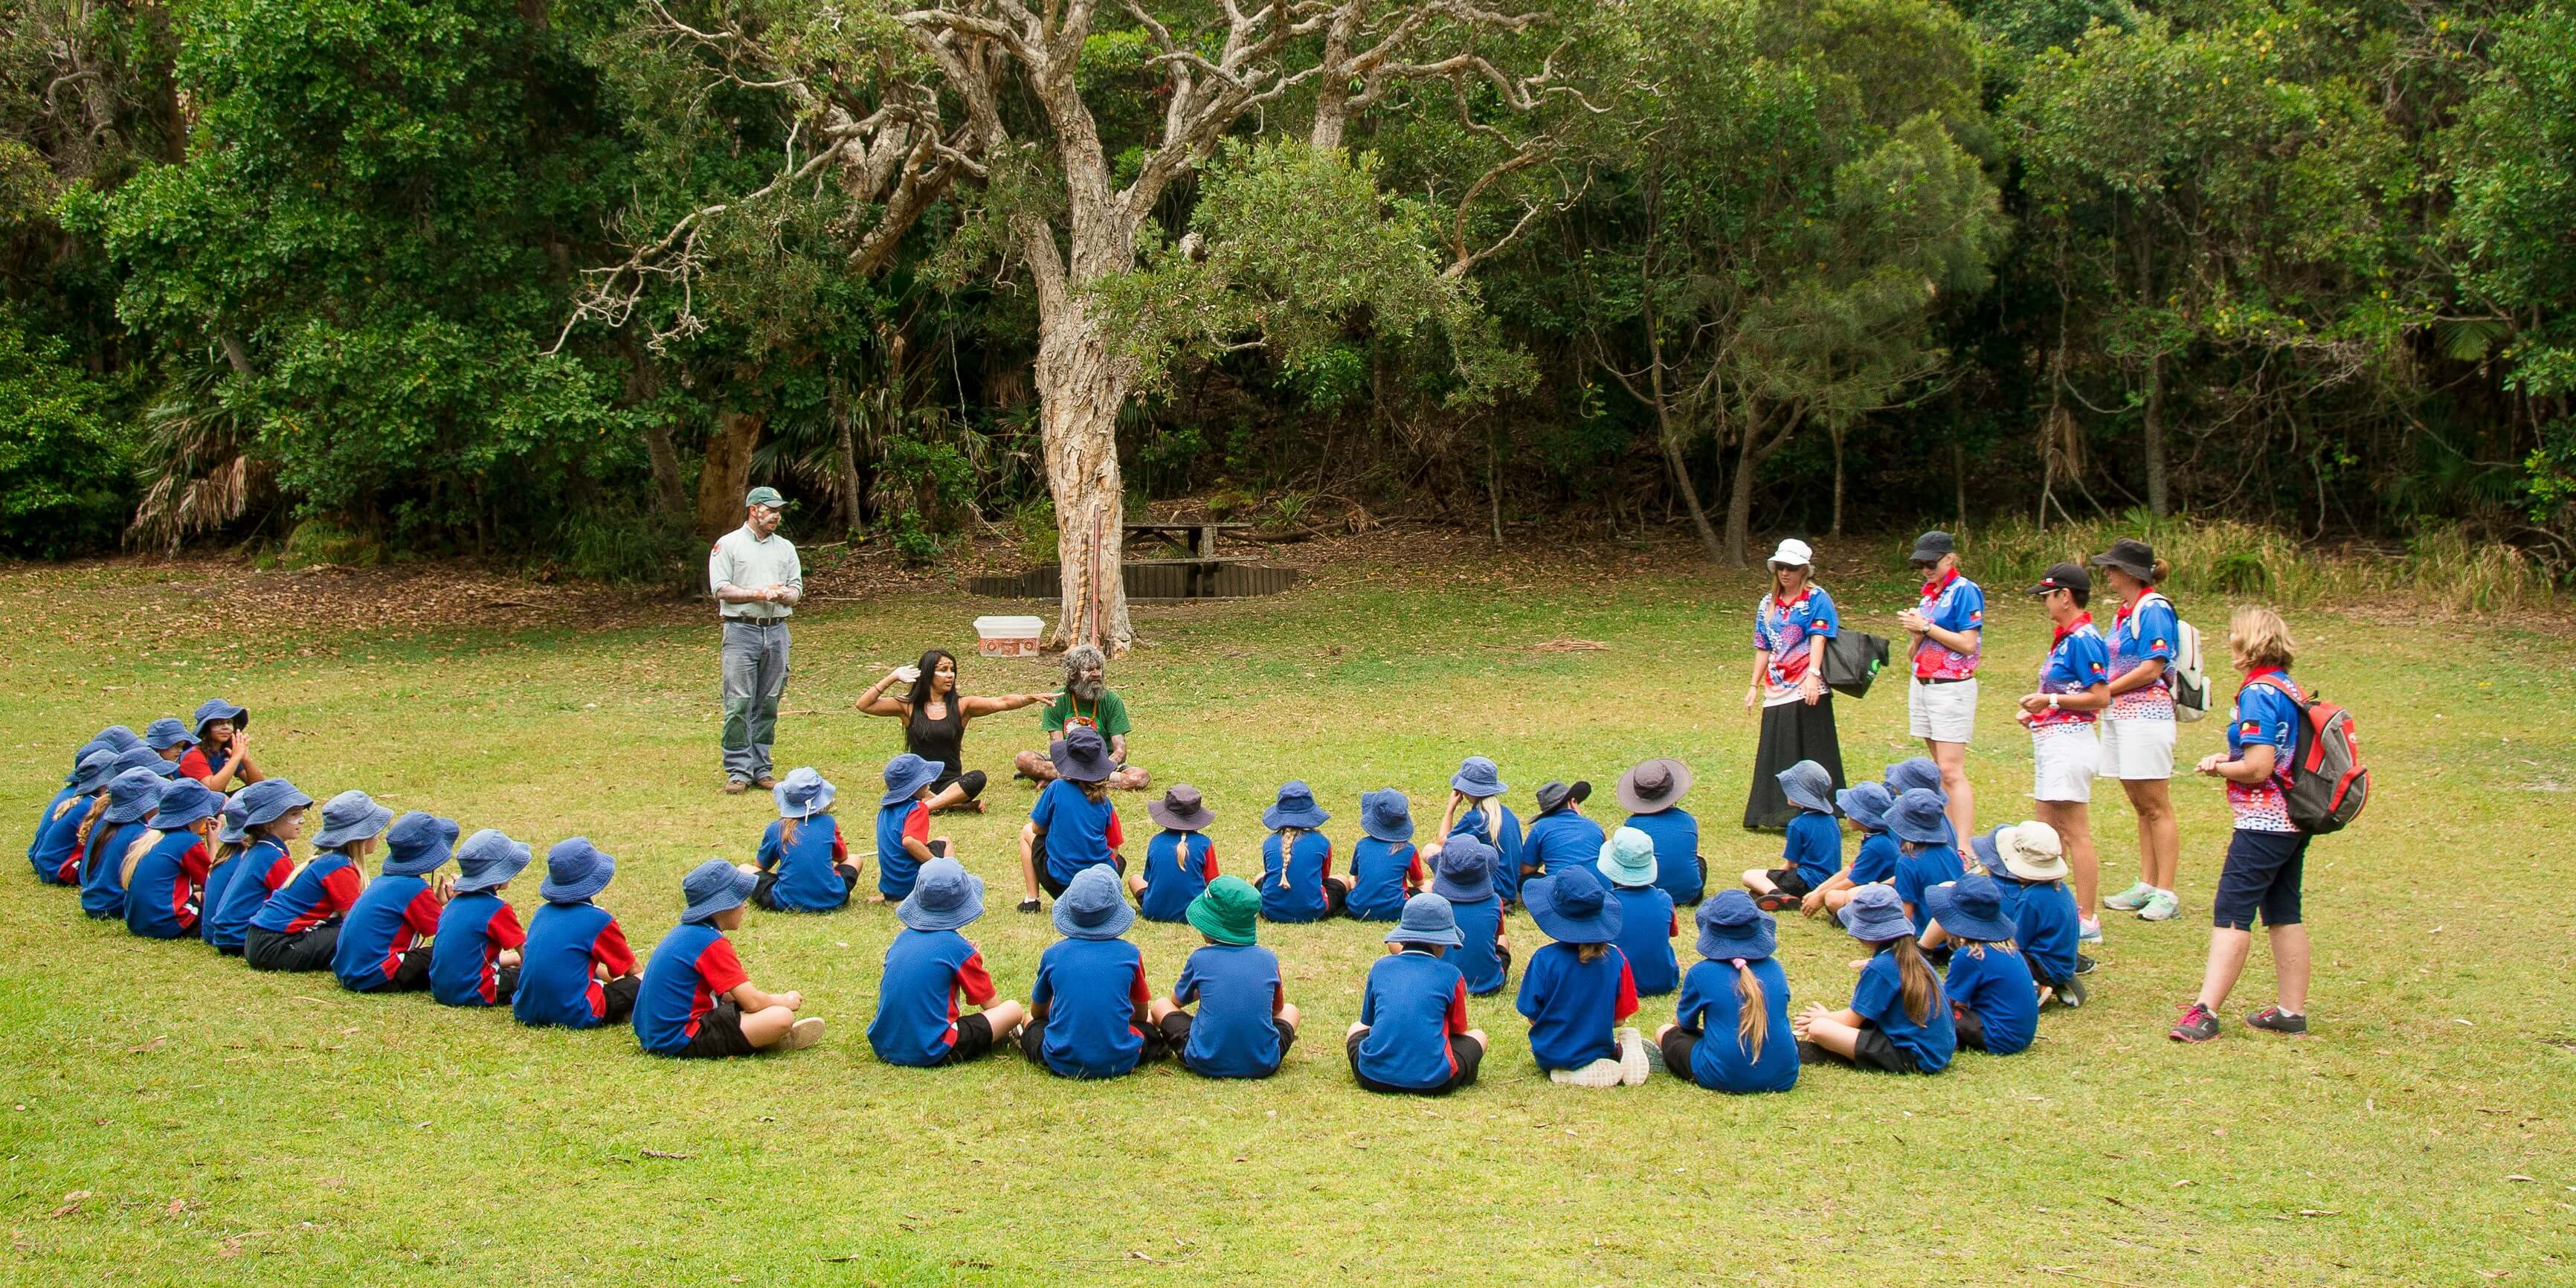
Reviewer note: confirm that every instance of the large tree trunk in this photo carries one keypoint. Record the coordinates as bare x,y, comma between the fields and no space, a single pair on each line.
727,474
2159,499
1081,387
845,456
1739,493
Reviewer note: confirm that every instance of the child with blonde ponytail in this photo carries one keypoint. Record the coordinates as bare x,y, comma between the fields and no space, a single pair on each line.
1731,1032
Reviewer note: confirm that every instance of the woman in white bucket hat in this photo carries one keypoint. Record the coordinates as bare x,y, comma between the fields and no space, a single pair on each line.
1790,627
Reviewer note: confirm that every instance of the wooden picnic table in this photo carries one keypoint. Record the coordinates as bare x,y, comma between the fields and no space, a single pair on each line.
1198,537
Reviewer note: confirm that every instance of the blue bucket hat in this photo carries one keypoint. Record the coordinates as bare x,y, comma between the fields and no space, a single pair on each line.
802,794
84,752
1731,927
1386,815
1917,817
419,842
1875,915
350,816
1628,858
944,896
270,798
1479,778
1296,807
214,709
1573,907
1808,786
167,732
1463,871
1918,771
1866,804
236,828
131,795
185,803
119,737
139,756
714,888
1427,919
575,871
1082,755
905,776
489,858
1093,907
1970,908
96,770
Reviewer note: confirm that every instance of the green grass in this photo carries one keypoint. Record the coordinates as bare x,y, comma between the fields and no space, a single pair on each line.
274,1130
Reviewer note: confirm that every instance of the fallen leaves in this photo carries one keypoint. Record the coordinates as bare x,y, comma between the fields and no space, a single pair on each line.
71,1204
658,1153
1571,646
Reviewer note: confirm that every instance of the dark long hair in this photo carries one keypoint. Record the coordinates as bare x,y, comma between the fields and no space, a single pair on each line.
921,684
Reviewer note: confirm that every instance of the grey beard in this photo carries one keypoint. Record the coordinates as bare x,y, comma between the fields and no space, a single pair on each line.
1087,690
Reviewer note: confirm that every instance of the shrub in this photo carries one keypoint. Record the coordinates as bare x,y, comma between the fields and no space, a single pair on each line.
626,547
2221,559
65,471
319,541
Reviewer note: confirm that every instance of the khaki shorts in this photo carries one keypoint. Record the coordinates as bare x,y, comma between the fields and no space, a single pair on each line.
2135,750
1940,712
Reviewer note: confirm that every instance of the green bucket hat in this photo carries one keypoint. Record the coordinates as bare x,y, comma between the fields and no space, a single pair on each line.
1227,911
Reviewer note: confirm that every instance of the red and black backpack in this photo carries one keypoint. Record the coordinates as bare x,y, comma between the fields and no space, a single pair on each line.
2328,783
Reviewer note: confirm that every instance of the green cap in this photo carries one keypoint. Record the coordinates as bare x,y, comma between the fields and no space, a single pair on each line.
767,496
1226,911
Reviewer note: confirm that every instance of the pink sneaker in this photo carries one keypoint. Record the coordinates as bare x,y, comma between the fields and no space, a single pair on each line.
2198,1024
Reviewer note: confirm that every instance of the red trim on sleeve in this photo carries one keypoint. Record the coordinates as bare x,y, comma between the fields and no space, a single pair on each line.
840,844
720,967
609,949
916,825
1328,863
340,890
422,913
1627,992
1675,927
1456,1020
975,981
503,930
1207,864
1414,876
1115,835
194,765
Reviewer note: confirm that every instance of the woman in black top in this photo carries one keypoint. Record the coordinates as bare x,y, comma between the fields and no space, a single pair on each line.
934,722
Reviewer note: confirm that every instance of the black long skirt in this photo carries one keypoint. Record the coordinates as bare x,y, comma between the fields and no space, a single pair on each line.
1791,732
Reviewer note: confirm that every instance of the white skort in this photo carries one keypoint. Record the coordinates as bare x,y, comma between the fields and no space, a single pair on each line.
2137,750
2063,757
1940,712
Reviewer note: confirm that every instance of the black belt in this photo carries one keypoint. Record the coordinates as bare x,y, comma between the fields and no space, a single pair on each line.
1941,679
755,621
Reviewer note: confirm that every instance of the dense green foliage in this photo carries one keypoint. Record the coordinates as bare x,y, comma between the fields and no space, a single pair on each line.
466,275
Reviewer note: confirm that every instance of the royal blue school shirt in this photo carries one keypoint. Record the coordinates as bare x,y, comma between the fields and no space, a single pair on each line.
1559,841
808,881
1094,994
1647,924
1236,988
692,968
319,895
44,820
391,917
219,878
1079,831
1814,846
1178,866
896,867
1879,998
1573,1005
1676,837
1994,984
1480,958
1709,1003
1876,860
58,851
103,868
167,894
1920,871
2044,924
925,972
465,960
1297,893
1413,1005
1383,871
555,982
258,872
2264,716
1505,837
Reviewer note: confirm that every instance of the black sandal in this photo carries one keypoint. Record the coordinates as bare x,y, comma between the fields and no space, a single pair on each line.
1028,905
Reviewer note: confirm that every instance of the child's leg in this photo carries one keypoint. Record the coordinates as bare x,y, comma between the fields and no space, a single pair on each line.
1006,1018
1758,880
1832,1035
764,1027
2290,963
1028,868
1157,1008
1136,883
1287,1014
1835,899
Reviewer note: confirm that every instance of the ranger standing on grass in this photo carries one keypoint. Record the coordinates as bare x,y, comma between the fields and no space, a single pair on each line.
755,576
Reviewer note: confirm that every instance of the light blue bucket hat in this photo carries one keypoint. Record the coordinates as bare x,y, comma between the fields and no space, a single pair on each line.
1093,907
1628,858
1428,919
350,816
804,793
945,896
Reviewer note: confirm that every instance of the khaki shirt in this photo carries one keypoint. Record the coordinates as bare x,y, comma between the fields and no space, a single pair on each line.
747,562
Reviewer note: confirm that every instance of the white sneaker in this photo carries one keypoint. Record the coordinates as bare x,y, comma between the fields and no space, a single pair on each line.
802,1034
2131,899
2088,930
2160,906
1599,1073
1634,1068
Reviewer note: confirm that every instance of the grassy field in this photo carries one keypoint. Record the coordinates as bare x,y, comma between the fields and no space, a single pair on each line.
170,1116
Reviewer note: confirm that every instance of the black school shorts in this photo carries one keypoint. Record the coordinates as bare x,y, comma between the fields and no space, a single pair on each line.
1465,1052
1176,1037
1789,880
1055,888
1871,1051
974,1039
719,1035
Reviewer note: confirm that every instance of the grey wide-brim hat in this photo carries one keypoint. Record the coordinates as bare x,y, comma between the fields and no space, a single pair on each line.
1553,795
2132,556
350,816
1808,785
490,859
1093,906
1427,919
714,888
1182,809
1654,786
944,896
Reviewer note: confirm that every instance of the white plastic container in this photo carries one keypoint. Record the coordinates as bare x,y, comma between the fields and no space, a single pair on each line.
1008,636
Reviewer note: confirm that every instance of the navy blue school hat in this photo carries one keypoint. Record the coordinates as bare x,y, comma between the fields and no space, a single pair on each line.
142,757
576,870
1296,807
236,827
96,770
1866,804
1970,908
185,803
1573,907
84,752
419,842
120,737
1731,927
350,816
1463,871
1808,786
714,888
214,709
905,776
1913,772
1386,815
131,795
1093,907
1478,777
269,799
1875,915
1082,755
489,858
1918,817
945,896
1428,919
167,732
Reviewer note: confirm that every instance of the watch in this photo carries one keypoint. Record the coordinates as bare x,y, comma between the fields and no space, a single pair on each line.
2052,702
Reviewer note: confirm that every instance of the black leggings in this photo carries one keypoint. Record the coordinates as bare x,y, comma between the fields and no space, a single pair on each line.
972,780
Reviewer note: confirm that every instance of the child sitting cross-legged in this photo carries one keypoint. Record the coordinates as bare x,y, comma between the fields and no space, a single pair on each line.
1731,1032
1578,988
1089,1010
1245,1023
1994,1002
56,851
2029,868
474,961
1898,1020
1927,851
132,796
904,841
1647,920
165,867
1297,881
298,929
380,949
575,971
1463,873
1073,825
1813,850
1385,868
1412,1036
695,1000
930,964
1864,807
1179,861
803,860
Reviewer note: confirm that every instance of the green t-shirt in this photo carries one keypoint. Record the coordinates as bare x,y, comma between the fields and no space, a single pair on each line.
1108,715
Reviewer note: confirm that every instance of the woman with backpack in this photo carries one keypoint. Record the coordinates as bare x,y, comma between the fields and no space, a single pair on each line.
2138,728
2267,851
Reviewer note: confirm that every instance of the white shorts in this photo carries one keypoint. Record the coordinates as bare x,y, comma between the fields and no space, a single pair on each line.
2062,764
1940,712
2136,750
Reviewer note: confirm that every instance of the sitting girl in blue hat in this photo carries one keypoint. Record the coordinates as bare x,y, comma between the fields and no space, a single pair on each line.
1090,1012
56,852
1073,826
1813,849
695,1000
1180,861
1993,1001
384,945
1245,1023
232,836
1476,809
219,757
67,799
576,970
1927,852
298,929
1647,920
1864,807
165,876
131,797
1413,1036
1297,881
1463,869
272,817
803,860
474,960
1731,1032
1898,1020
929,968
1578,989
904,841
1385,868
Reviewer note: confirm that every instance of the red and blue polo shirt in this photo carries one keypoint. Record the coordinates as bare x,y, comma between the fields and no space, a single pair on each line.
2265,716
465,959
1782,627
808,878
896,868
165,896
1178,866
57,853
258,873
1953,603
925,971
1079,831
1237,990
1573,1005
1413,1005
1383,874
692,969
565,940
2077,660
2144,632
198,765
1093,993
320,894
1293,889
393,914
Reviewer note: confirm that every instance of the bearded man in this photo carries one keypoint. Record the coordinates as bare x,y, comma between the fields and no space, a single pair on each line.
1086,700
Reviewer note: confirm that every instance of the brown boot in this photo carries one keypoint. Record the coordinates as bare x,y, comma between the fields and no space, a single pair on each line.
734,786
